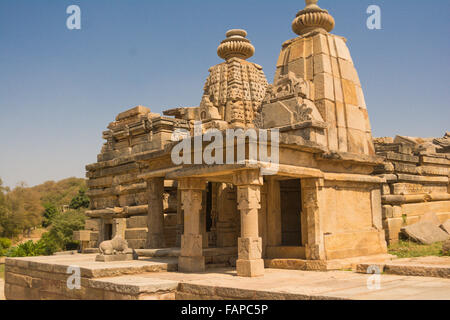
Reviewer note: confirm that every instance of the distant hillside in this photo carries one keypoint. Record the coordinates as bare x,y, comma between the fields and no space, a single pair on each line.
22,209
60,193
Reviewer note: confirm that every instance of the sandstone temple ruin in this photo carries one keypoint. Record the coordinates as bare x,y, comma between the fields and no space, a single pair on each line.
338,193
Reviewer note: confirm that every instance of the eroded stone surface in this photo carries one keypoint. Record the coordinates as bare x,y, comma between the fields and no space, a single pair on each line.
446,226
426,233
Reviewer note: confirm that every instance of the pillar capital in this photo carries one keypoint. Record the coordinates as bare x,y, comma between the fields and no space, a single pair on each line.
192,184
248,177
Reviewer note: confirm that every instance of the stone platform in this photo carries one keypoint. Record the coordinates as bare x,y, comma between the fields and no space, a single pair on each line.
423,266
151,279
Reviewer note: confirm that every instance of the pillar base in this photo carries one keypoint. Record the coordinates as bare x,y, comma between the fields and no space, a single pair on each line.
191,264
250,268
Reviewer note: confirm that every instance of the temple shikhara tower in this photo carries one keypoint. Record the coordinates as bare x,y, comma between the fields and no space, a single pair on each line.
335,198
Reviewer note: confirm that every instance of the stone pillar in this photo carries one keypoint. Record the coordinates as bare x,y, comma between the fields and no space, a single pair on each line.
249,263
155,218
191,258
119,227
311,198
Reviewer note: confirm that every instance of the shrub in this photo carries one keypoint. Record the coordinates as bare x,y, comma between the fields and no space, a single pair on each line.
5,244
27,249
64,224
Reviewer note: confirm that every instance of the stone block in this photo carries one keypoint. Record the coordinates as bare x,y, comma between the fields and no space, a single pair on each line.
388,212
296,51
348,71
446,226
407,188
249,248
281,58
397,212
191,264
322,64
191,245
320,44
349,91
430,217
355,118
115,257
82,235
135,234
324,86
137,243
342,49
137,222
339,95
250,268
385,189
425,233
14,292
393,227
93,224
360,96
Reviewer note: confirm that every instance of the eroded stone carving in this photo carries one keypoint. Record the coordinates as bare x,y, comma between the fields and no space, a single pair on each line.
115,246
288,86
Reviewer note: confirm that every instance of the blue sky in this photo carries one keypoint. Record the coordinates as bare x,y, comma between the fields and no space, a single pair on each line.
59,88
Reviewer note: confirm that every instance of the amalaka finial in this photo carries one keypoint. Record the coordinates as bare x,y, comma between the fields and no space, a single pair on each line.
236,45
312,18
311,3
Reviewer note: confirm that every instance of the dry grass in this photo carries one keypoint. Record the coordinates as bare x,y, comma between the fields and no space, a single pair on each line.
2,271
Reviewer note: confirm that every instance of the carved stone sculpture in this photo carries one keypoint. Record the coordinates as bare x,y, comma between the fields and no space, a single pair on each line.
115,250
114,246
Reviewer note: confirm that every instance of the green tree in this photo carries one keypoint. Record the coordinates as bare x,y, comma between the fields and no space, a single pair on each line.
80,201
63,226
49,213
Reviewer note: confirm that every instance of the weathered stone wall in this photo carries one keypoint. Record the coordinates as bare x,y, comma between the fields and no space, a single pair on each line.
417,183
29,279
117,192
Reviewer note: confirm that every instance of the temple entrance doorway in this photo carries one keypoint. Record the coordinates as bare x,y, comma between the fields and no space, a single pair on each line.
291,209
108,235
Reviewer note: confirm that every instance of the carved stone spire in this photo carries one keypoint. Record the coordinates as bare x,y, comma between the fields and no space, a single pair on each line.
236,45
312,18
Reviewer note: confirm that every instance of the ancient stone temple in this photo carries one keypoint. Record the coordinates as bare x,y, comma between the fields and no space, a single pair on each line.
259,177
333,195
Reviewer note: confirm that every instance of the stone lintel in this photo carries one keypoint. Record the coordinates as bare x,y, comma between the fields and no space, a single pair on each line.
191,184
353,178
